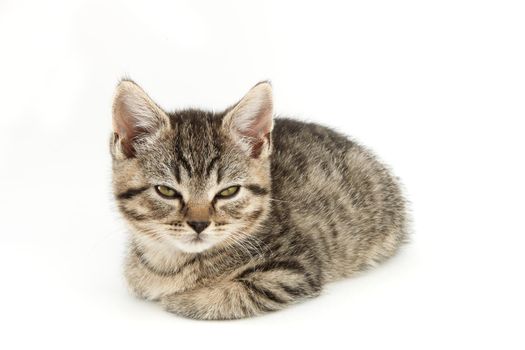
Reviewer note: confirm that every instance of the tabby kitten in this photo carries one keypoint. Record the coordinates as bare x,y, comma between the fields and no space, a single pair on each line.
235,214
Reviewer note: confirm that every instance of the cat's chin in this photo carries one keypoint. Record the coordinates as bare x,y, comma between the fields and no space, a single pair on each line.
194,246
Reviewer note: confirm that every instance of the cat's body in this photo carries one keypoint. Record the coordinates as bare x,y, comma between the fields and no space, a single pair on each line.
311,207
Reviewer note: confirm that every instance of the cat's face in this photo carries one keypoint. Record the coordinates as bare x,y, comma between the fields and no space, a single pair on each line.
191,179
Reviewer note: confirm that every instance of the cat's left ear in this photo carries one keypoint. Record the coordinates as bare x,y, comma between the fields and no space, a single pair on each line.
250,121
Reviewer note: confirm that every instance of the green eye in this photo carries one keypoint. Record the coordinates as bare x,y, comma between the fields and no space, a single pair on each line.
228,192
167,192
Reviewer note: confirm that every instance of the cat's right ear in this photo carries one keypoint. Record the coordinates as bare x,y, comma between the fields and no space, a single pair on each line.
134,115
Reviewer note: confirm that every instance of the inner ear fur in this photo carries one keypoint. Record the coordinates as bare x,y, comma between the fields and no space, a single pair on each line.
134,114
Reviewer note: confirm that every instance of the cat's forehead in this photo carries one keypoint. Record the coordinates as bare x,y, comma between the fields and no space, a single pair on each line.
196,128
194,150
195,139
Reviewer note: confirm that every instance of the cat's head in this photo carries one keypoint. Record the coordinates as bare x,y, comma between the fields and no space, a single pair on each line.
191,179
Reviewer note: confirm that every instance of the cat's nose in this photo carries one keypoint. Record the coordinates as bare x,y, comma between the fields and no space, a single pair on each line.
198,226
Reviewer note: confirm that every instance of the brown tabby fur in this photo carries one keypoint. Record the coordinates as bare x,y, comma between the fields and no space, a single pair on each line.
313,206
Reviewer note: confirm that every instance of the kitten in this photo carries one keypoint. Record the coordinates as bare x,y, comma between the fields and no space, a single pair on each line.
235,214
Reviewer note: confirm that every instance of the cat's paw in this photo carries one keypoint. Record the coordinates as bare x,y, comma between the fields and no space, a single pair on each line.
145,293
180,304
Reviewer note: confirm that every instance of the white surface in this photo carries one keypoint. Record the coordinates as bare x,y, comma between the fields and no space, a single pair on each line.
436,89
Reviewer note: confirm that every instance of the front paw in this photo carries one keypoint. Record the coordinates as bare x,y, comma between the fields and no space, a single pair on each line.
150,294
180,304
217,302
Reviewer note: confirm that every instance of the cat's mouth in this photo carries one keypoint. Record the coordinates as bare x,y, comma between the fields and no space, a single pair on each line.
193,236
197,239
195,243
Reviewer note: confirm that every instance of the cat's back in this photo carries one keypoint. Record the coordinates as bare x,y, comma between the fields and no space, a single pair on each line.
336,192
310,160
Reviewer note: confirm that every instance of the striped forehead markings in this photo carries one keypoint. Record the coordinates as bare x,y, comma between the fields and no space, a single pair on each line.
211,164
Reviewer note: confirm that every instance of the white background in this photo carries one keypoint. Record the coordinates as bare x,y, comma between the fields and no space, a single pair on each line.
435,88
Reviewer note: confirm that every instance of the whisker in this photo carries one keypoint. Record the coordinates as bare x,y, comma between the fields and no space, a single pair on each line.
280,200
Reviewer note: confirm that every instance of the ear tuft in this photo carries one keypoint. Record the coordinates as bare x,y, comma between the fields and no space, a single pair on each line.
134,114
250,121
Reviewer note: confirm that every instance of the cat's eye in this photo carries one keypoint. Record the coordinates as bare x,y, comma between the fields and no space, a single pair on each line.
167,192
228,192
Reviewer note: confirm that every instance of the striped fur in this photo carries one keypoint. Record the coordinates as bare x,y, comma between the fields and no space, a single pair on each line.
313,207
